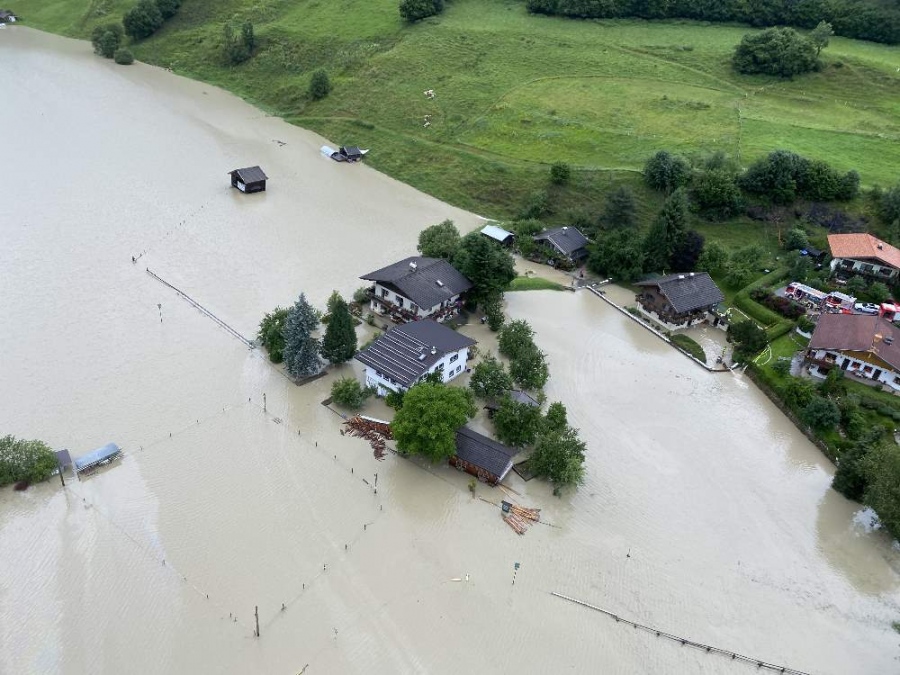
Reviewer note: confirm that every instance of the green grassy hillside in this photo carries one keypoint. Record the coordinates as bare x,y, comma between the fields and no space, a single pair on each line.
516,92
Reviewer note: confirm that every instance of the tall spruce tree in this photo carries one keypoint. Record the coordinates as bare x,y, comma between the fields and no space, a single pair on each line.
301,350
339,343
667,233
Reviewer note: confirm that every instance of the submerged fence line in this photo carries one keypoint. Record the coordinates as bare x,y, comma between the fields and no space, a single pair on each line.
203,309
734,656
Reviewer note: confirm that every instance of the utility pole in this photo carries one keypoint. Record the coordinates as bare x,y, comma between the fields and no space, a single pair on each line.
257,620
264,402
159,307
515,572
376,480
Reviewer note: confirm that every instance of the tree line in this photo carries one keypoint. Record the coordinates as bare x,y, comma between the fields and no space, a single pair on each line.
859,19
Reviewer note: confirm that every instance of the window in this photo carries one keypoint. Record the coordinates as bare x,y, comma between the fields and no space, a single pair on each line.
399,301
896,379
454,357
413,307
384,293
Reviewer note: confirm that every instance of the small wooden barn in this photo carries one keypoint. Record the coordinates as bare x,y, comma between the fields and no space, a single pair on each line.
483,457
249,179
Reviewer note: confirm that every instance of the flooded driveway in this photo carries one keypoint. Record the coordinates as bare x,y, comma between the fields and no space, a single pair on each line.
704,511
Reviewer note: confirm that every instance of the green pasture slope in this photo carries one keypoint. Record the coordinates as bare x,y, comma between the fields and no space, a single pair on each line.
515,92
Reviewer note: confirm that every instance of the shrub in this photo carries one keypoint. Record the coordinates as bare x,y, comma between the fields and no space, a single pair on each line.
123,57
775,51
271,333
142,20
795,239
319,85
416,10
716,194
348,392
560,173
168,8
106,39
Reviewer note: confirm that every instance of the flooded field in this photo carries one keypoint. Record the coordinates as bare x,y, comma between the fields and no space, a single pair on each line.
704,512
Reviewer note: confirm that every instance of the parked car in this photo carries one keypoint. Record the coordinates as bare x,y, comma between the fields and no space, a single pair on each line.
866,308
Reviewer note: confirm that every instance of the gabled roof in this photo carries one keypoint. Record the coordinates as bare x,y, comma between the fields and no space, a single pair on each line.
425,281
566,240
404,353
861,245
497,233
687,292
484,452
250,174
858,333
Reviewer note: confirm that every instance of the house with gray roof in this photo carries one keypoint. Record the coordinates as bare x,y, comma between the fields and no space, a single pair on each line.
6,16
564,242
407,353
483,457
678,300
416,288
249,179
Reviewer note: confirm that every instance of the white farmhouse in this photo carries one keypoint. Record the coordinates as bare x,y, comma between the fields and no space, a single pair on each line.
407,353
416,288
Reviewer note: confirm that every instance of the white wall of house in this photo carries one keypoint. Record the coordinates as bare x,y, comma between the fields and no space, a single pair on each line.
386,294
453,364
859,368
865,266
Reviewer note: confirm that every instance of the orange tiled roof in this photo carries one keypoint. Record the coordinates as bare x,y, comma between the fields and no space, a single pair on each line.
863,246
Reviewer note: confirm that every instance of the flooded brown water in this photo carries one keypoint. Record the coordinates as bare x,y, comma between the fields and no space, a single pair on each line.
704,511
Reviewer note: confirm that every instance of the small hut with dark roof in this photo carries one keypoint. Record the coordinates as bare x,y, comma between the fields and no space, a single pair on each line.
483,457
249,179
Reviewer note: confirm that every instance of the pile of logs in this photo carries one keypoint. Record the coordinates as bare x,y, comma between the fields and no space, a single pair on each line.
373,431
519,518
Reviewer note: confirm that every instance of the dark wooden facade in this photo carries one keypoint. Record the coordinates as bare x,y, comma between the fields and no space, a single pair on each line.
481,474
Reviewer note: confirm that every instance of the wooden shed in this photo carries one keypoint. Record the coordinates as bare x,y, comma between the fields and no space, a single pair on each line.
483,457
249,179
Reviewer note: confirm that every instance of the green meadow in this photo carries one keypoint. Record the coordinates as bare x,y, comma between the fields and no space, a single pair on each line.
515,93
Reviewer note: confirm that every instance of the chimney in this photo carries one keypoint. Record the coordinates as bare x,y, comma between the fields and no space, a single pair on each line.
433,350
880,246
440,283
565,228
413,266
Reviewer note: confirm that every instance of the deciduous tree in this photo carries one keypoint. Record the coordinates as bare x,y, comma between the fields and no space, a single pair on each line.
821,35
142,20
821,413
882,469
748,338
517,424
440,241
559,456
688,252
21,459
271,333
529,369
619,210
556,418
490,380
666,172
106,39
515,338
427,423
619,255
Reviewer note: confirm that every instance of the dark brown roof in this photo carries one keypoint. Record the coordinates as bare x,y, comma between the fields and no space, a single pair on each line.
484,452
251,174
858,333
425,281
404,353
688,291
566,240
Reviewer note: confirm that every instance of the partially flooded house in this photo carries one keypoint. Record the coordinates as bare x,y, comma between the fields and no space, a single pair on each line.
864,346
249,179
407,353
483,457
565,243
679,300
417,288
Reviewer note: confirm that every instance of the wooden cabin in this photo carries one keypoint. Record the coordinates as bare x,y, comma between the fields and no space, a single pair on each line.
483,457
249,179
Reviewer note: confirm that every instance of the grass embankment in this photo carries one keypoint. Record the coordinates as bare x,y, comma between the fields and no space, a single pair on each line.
516,92
689,345
534,284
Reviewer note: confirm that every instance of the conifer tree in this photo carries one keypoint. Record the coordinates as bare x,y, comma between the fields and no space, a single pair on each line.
339,343
301,350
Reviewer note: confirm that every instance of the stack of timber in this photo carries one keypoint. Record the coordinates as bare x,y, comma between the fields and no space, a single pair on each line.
374,431
519,518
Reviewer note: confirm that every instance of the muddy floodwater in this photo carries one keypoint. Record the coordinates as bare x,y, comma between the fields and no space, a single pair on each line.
704,512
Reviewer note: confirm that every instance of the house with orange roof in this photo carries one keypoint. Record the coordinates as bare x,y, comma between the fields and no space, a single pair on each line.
865,255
